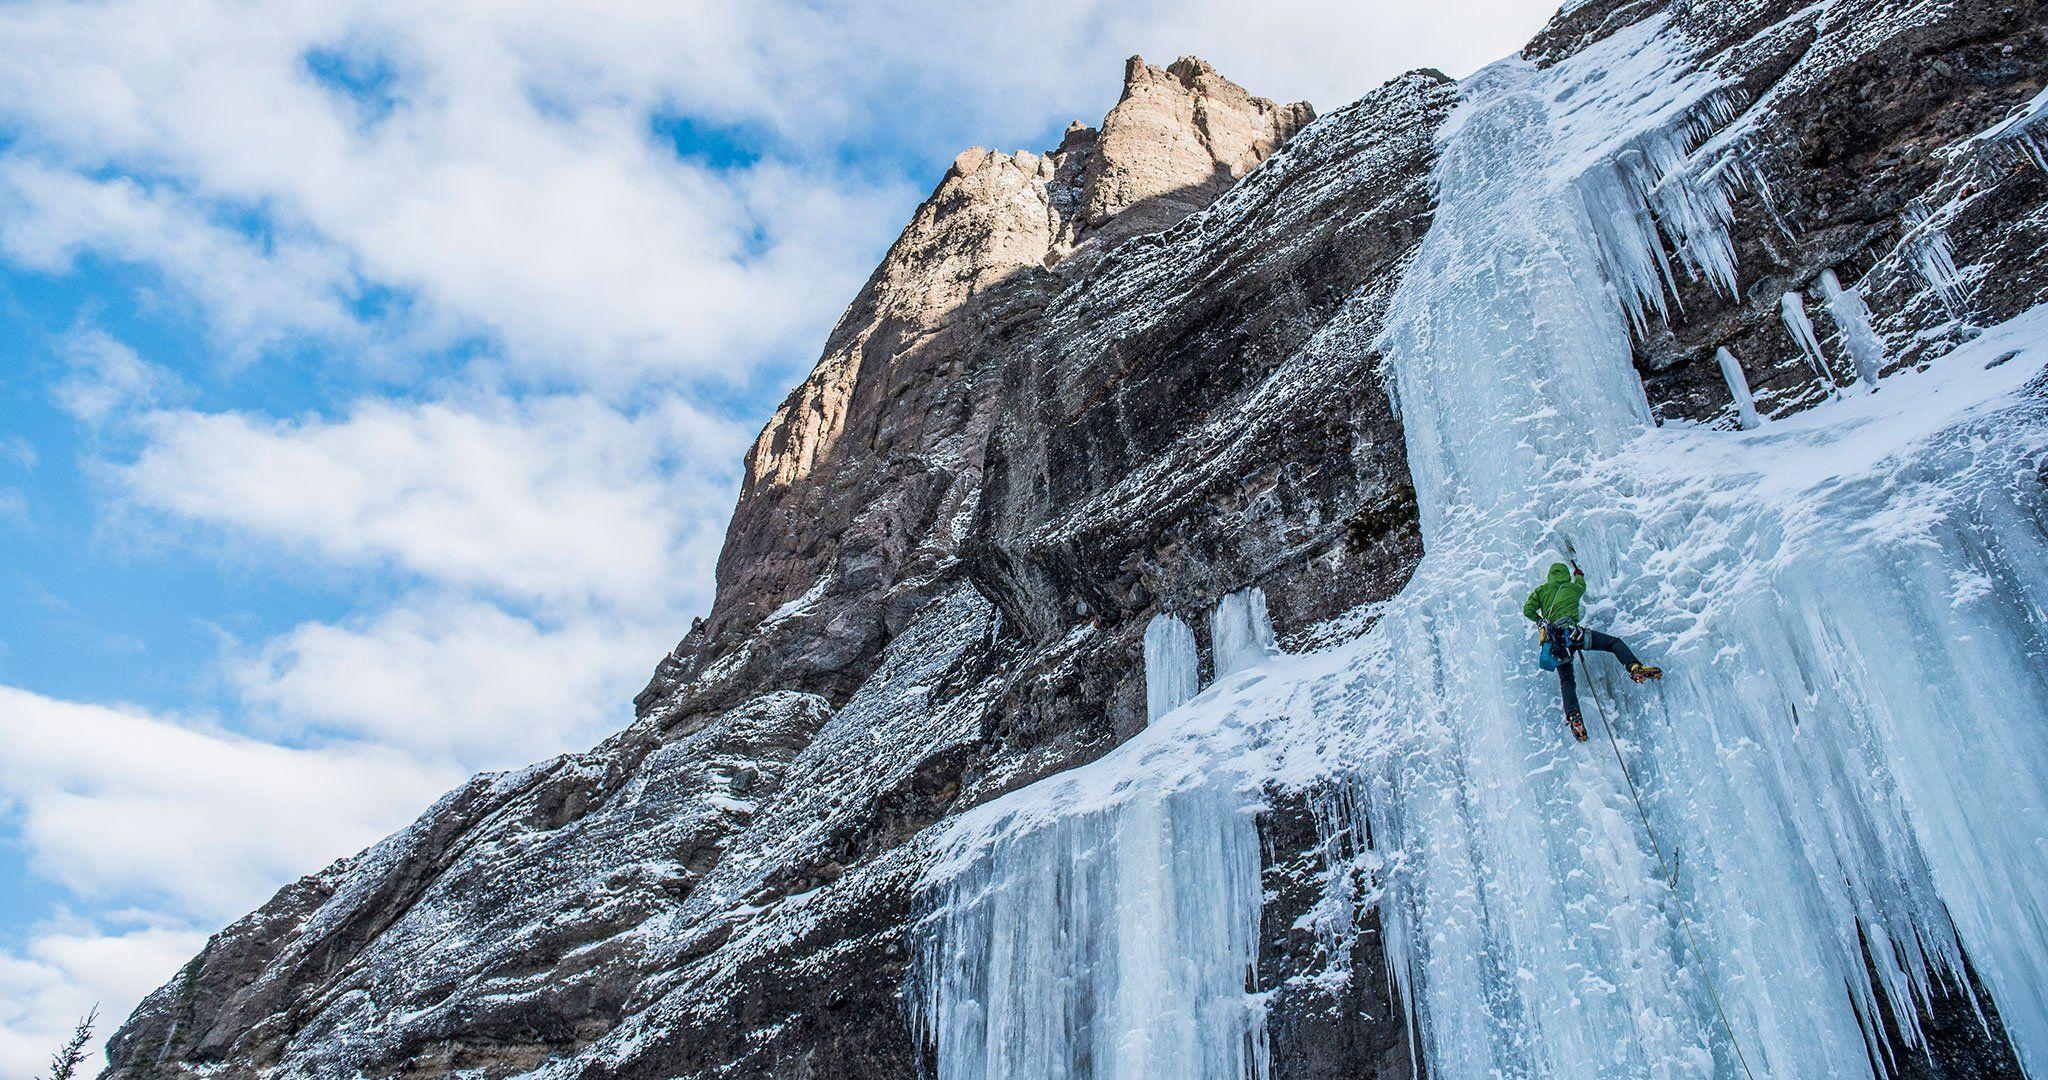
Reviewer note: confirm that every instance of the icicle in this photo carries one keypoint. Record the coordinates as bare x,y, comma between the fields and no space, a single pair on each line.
1935,258
1738,388
2022,130
1847,308
1113,942
1793,308
1170,678
1240,633
1649,192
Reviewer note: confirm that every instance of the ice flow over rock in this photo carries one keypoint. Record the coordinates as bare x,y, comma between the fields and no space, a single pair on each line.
1853,606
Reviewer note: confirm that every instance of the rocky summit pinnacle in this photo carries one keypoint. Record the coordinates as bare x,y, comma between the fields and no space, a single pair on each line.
1126,403
1176,139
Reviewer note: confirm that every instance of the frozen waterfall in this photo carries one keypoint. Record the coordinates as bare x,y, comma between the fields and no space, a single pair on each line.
1240,632
1097,926
1170,676
1846,755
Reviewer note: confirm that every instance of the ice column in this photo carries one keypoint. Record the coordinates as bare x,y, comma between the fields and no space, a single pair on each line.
1240,633
1170,678
1738,388
1793,308
1850,313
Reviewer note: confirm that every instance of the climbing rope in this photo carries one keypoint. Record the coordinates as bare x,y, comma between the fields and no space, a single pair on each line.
1666,867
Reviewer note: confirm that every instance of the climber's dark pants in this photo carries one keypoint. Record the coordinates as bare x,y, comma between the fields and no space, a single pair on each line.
1569,640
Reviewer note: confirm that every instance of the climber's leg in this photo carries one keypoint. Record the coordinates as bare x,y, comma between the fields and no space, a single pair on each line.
1569,683
1608,643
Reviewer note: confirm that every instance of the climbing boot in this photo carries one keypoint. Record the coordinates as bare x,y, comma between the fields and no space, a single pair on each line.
1644,673
1578,726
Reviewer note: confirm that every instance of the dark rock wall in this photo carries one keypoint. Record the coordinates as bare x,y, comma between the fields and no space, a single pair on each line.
1858,112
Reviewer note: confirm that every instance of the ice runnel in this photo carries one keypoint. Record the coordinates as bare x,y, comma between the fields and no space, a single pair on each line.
1170,666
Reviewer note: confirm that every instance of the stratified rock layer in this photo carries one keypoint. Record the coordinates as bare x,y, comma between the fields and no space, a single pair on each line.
1083,388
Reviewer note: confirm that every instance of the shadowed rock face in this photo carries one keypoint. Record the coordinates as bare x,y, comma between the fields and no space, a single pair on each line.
1124,377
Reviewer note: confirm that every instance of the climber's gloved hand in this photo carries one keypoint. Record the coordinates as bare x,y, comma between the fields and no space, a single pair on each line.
1576,572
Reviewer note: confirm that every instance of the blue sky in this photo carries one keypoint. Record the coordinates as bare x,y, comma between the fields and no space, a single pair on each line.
375,376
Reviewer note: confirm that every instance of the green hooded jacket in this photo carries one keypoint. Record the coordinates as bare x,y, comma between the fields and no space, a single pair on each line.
1557,599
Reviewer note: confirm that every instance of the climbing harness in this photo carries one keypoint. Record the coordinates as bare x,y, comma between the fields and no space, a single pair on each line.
1666,867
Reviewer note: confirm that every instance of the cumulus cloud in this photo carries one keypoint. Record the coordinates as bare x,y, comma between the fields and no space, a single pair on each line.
501,163
107,377
70,967
598,528
258,292
116,802
451,679
514,188
561,502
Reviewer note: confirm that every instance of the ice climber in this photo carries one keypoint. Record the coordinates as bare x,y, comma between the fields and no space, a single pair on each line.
1554,608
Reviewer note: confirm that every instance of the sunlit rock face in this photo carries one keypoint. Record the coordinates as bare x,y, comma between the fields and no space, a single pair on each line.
1178,138
1221,370
857,493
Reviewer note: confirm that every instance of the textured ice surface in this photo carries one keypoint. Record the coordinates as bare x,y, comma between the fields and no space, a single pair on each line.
1170,663
1075,947
1851,603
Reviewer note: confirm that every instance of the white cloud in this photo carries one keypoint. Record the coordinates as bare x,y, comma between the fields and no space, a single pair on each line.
257,293
107,377
514,187
561,502
516,191
115,802
70,967
455,679
599,528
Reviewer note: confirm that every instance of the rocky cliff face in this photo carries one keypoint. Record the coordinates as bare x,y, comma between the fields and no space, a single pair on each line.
1123,378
